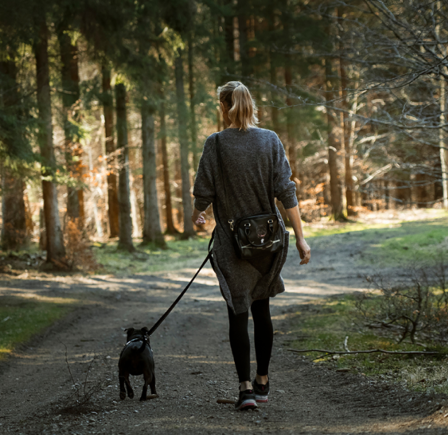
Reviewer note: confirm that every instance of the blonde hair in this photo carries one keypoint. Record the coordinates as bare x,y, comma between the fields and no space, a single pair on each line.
237,98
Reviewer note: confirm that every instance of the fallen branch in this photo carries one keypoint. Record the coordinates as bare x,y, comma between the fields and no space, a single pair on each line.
345,344
353,352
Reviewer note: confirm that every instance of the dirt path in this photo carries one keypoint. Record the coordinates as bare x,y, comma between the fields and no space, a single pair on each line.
193,362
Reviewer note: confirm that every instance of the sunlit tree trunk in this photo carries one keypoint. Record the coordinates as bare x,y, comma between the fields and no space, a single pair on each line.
14,229
334,143
183,141
112,188
152,232
443,145
70,113
349,185
170,228
125,232
55,243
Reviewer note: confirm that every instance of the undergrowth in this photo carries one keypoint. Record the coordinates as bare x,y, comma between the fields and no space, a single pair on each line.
325,324
150,259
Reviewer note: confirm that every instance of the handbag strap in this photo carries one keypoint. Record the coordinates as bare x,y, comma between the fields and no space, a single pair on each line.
223,181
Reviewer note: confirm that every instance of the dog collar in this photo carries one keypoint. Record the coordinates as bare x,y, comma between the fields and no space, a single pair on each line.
136,339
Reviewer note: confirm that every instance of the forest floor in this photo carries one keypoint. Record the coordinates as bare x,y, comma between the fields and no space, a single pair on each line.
194,364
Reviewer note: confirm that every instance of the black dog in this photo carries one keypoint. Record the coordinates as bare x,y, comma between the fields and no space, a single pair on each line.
136,359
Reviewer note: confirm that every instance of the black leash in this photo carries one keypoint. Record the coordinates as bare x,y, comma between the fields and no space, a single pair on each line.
168,311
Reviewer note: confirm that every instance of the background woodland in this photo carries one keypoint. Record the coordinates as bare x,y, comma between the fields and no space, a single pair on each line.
105,105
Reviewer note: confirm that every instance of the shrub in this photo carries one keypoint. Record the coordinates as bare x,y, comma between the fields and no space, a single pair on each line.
79,255
416,307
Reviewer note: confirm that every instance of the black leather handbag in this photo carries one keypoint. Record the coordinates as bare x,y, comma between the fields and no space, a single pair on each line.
254,236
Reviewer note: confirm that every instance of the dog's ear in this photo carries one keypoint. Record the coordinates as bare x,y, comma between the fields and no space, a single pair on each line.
144,330
129,331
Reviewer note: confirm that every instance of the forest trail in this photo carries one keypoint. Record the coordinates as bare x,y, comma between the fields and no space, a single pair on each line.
194,365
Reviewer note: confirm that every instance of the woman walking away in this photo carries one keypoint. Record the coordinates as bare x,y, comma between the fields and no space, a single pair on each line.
241,171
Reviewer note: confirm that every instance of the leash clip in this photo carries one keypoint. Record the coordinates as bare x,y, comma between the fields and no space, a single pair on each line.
231,221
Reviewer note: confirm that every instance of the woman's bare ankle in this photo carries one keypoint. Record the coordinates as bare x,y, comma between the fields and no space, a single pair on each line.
246,385
261,380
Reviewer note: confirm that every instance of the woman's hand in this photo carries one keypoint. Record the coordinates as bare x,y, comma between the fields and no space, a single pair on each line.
198,217
304,251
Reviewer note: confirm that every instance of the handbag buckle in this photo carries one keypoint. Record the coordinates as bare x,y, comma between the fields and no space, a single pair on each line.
231,222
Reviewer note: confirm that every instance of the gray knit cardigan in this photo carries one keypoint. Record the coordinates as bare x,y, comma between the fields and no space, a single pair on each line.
256,170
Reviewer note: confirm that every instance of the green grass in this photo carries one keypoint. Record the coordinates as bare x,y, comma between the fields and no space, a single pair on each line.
149,259
325,324
386,245
21,318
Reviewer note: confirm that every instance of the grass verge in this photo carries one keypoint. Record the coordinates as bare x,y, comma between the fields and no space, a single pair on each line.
21,318
390,245
324,324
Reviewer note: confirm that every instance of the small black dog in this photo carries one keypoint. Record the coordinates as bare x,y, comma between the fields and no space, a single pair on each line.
136,359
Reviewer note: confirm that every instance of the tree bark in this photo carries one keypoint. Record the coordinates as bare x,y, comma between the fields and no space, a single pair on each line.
243,38
349,185
334,144
14,229
443,120
70,111
152,231
170,228
229,40
183,140
125,220
193,127
291,132
14,233
112,189
55,243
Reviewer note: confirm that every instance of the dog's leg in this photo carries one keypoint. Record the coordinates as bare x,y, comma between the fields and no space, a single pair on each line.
122,390
145,387
128,386
152,384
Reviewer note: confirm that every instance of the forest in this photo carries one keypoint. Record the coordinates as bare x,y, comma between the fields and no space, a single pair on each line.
105,106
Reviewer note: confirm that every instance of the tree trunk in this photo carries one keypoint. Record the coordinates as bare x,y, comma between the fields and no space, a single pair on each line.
243,38
421,190
274,110
349,186
170,228
183,140
112,189
14,229
229,40
124,200
193,130
152,232
334,144
14,234
70,111
55,242
290,130
443,146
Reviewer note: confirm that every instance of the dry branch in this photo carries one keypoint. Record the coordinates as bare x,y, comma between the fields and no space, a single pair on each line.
353,352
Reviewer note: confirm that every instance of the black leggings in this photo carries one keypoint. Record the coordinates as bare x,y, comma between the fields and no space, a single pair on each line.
239,339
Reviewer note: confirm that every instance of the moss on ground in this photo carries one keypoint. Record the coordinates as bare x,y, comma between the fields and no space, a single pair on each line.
149,259
324,324
21,318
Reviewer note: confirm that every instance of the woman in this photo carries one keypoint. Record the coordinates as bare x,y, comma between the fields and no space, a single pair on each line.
255,170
